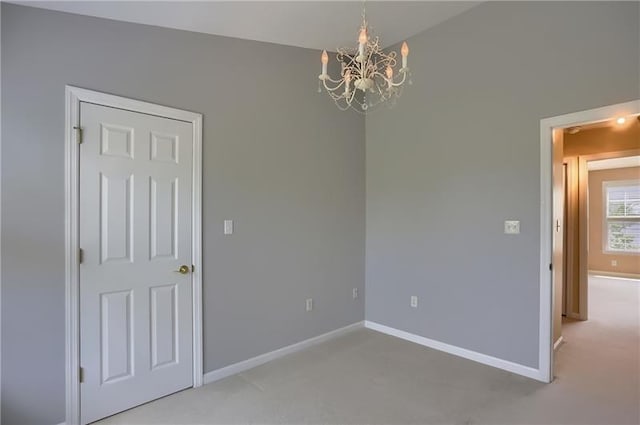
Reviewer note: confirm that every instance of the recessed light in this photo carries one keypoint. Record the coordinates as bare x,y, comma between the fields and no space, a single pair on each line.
621,120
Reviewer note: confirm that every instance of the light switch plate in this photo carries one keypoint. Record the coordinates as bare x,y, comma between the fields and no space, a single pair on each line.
228,227
512,227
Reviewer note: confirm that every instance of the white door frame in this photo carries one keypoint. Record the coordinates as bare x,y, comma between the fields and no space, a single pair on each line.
73,97
545,358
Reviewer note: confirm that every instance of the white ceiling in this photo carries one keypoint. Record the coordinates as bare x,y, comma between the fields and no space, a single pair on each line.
312,24
606,164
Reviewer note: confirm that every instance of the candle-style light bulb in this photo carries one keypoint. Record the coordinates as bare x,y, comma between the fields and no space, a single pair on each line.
325,60
347,80
389,72
404,51
362,40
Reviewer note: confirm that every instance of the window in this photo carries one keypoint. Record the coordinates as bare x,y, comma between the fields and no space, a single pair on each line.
622,216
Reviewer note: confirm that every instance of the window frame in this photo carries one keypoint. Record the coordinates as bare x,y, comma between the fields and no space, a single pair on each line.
607,220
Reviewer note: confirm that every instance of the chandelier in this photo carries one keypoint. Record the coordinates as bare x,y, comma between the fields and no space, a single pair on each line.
367,77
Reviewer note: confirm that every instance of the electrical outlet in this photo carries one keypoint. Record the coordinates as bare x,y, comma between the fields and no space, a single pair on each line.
228,227
309,304
614,263
414,301
355,293
512,227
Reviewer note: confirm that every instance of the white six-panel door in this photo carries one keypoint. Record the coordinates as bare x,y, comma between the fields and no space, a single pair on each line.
135,234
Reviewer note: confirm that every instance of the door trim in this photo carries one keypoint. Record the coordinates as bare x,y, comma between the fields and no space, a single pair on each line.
545,343
73,97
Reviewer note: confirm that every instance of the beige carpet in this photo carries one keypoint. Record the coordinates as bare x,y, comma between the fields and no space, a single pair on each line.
370,378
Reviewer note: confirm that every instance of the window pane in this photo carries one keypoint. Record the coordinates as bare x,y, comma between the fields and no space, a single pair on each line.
616,193
616,209
620,192
624,236
623,201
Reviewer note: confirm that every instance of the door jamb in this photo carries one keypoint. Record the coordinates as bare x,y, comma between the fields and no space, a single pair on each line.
571,210
545,343
73,97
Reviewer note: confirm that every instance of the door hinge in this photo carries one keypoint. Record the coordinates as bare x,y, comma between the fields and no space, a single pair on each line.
81,375
80,255
78,134
550,266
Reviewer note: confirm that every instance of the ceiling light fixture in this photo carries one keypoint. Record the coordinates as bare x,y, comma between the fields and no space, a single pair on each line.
367,77
621,120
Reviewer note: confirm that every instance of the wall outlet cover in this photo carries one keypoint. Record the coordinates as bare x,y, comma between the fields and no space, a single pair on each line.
228,227
512,227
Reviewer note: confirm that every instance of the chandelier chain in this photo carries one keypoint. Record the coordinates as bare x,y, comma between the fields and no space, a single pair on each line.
364,12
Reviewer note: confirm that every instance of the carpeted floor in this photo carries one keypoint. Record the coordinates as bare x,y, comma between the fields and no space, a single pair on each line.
369,378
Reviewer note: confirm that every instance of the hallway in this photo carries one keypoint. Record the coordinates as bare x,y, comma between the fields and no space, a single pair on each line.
606,347
597,367
600,357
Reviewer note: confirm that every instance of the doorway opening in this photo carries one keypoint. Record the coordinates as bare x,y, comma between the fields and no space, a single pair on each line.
601,233
565,271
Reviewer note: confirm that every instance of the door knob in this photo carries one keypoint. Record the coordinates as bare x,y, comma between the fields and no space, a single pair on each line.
183,269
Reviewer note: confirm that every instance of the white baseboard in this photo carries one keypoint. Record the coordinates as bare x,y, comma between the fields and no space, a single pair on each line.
558,342
516,368
235,368
224,372
613,274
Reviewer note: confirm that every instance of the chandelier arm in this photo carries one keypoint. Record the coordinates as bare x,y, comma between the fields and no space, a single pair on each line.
347,97
339,82
335,97
401,82
351,95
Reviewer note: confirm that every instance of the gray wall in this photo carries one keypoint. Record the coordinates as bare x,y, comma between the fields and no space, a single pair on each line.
279,159
460,154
